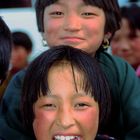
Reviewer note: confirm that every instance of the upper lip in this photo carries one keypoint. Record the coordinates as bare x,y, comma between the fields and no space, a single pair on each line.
66,134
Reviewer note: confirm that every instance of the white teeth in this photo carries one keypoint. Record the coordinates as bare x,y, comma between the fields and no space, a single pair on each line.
62,138
66,137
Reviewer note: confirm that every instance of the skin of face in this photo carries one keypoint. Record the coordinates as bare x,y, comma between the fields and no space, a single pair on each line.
65,112
74,23
125,46
19,57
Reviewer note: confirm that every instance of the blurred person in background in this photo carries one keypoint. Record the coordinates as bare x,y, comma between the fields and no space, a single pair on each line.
5,50
21,50
126,42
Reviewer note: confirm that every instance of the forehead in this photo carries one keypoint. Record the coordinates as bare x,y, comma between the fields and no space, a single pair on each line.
64,68
125,28
66,71
98,3
65,78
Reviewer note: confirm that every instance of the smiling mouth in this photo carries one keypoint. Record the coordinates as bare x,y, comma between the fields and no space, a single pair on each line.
67,138
72,39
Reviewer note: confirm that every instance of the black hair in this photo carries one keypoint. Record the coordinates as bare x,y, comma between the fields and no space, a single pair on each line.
110,7
5,49
15,3
22,39
132,15
36,84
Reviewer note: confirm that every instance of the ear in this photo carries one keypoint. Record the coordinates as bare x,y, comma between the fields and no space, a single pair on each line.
108,35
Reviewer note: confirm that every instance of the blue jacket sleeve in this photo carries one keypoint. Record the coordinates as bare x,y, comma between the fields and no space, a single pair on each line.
10,119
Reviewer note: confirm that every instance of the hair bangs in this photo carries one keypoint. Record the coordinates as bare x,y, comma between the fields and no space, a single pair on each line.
103,4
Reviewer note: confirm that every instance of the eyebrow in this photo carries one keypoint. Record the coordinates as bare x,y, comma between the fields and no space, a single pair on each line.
50,95
62,4
79,94
75,95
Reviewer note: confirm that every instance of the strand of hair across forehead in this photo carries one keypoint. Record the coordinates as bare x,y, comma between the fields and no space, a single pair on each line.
69,58
74,77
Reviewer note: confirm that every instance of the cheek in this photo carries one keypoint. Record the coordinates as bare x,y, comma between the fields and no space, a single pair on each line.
42,123
50,27
97,28
51,31
89,120
96,36
115,47
136,45
23,56
92,117
40,119
20,55
136,53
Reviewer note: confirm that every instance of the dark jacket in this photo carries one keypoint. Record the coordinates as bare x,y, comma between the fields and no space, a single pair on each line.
124,123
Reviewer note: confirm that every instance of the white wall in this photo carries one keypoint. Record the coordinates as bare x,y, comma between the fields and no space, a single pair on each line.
24,19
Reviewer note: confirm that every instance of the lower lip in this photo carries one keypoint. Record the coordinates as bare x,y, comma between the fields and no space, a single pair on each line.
72,40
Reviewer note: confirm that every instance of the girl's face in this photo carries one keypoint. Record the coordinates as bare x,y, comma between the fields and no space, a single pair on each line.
72,22
125,45
65,114
19,57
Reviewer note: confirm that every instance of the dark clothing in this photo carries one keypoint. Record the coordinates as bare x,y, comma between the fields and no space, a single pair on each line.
124,123
4,85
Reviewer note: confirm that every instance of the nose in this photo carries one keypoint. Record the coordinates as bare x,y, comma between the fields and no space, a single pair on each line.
65,118
124,46
72,23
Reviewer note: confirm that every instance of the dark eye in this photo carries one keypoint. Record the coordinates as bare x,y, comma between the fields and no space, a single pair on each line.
56,13
81,106
49,106
88,14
